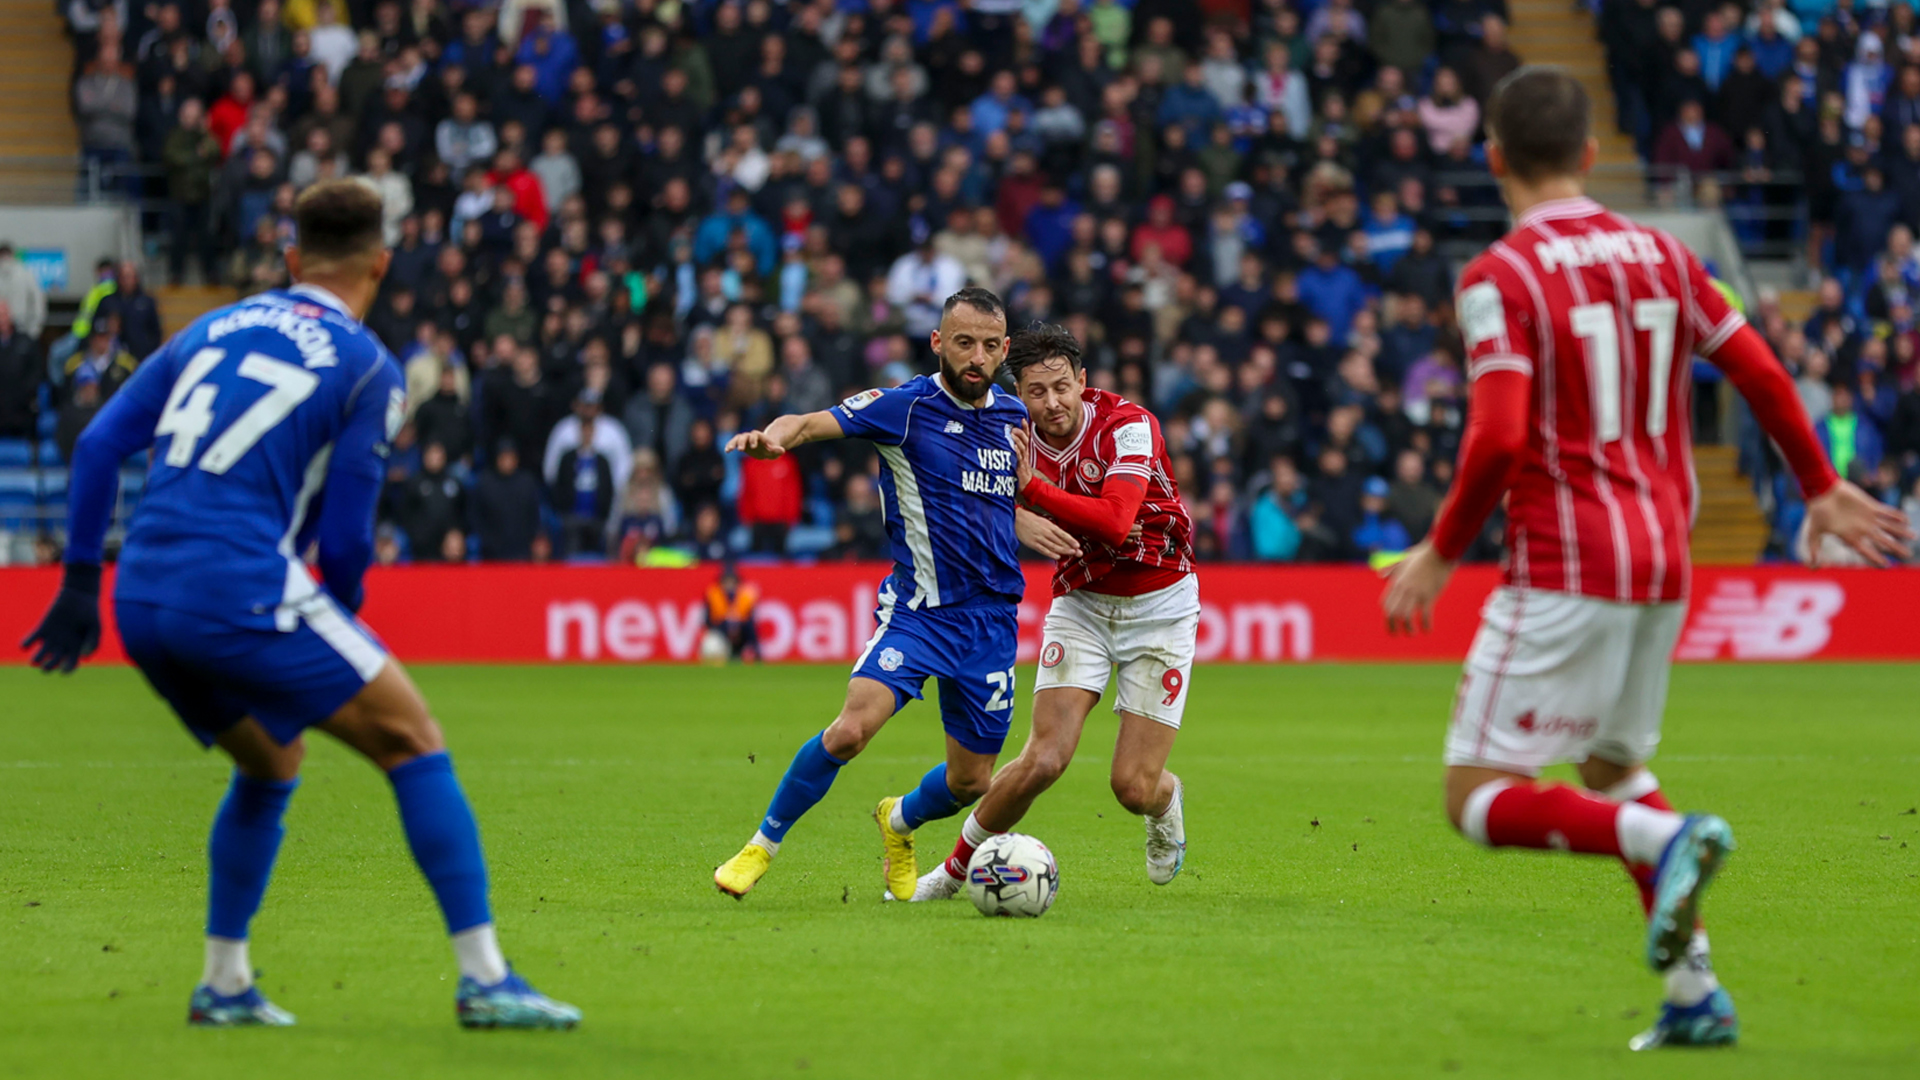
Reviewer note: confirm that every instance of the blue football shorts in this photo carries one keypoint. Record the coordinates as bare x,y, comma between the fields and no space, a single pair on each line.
970,650
215,673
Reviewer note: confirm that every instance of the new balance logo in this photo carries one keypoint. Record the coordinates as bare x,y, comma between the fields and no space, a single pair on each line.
1792,620
955,427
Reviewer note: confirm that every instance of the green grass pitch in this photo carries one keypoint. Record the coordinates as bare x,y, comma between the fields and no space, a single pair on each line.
1328,923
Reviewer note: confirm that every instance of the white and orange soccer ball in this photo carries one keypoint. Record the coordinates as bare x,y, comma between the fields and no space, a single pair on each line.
1013,875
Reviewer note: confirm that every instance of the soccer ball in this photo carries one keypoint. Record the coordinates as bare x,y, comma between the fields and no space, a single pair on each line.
1013,874
714,648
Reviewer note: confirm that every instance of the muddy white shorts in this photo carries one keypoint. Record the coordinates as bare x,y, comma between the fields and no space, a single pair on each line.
1148,637
1555,678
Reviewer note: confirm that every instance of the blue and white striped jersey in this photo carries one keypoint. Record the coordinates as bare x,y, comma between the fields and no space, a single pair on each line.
947,484
249,411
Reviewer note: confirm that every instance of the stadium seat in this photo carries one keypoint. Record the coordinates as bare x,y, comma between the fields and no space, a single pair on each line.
50,453
53,487
15,453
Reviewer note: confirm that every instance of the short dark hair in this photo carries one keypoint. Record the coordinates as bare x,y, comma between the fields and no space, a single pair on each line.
338,219
1039,343
1541,117
977,298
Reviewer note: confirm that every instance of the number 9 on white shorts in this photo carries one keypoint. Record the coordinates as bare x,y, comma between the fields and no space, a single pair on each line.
1148,637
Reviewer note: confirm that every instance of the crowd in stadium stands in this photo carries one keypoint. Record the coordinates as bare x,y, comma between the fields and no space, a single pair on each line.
1810,111
625,230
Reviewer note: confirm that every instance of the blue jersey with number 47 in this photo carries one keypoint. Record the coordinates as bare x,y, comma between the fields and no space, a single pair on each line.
947,485
252,407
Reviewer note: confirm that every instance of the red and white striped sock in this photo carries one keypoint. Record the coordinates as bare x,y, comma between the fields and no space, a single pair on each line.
1644,788
1560,817
972,835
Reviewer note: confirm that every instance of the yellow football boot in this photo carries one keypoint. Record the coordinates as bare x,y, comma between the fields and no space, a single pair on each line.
738,875
902,872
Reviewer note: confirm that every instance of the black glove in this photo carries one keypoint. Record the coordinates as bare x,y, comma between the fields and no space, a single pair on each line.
71,628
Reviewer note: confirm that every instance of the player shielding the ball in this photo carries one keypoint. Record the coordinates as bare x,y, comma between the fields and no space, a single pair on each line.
1579,327
270,422
1128,598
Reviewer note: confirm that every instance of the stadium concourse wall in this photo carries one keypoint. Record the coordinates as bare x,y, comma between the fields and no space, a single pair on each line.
824,613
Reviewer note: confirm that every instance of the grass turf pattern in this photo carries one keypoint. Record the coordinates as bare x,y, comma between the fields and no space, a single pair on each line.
1328,922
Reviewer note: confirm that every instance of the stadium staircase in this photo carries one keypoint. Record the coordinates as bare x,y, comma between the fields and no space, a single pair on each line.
1553,32
181,304
38,140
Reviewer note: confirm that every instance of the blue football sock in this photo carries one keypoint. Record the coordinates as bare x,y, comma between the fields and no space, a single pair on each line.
240,850
444,838
931,801
805,784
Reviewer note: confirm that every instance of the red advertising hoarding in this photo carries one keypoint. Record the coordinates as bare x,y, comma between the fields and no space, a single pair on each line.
1249,613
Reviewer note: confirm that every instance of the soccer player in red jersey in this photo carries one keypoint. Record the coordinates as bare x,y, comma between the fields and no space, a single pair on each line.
1579,327
1127,598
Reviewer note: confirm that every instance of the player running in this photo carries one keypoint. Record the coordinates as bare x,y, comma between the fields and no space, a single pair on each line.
1579,326
1130,599
270,420
948,610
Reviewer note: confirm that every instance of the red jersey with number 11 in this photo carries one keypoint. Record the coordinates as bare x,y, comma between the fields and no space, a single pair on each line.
1119,438
1604,316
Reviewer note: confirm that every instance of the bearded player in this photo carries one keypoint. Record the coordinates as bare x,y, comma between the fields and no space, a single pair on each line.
949,610
1129,599
1579,327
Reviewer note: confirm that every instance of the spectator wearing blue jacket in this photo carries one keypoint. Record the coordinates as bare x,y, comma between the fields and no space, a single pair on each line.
992,109
1715,45
553,55
1389,231
1379,532
1332,290
1190,105
711,238
1050,225
1862,219
1274,535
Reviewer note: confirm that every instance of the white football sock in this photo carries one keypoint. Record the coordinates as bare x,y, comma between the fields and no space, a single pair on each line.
228,971
760,841
478,950
896,819
975,833
1644,832
1692,979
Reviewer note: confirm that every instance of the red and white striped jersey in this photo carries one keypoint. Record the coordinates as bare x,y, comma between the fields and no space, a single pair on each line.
1605,316
1119,438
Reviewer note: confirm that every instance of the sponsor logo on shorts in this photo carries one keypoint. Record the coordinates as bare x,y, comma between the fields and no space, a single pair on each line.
1090,471
1052,654
1791,620
1579,728
890,659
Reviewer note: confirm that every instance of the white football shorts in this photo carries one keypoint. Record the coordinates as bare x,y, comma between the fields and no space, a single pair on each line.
1554,678
1148,637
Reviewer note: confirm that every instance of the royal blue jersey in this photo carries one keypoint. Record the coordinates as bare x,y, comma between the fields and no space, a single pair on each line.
257,414
947,485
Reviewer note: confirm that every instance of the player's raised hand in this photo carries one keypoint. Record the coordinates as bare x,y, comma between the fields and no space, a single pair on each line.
1042,535
755,444
1877,531
70,630
1413,585
1022,440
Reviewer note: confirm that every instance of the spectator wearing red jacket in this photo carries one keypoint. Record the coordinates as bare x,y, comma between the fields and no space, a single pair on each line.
529,198
229,113
1694,143
770,499
1176,244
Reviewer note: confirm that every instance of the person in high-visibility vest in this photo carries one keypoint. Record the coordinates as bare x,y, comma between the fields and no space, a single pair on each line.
730,608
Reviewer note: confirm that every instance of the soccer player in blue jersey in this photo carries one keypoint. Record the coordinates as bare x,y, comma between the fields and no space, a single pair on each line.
269,423
948,610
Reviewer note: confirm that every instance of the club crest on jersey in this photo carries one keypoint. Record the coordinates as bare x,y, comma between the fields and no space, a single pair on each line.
1090,471
955,427
861,400
890,659
1052,654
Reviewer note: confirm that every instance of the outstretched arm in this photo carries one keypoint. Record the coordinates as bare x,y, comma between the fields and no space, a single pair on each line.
354,480
785,433
70,630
